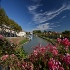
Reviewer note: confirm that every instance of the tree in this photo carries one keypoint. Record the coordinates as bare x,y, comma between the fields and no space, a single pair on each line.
36,31
4,19
66,34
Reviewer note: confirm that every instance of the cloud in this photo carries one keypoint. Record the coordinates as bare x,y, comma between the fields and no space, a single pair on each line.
43,27
54,26
63,17
40,18
29,22
48,15
33,7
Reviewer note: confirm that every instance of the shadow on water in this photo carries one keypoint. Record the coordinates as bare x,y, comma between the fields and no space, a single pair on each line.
34,42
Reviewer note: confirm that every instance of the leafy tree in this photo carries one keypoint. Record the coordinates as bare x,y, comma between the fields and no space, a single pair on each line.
4,19
36,31
66,34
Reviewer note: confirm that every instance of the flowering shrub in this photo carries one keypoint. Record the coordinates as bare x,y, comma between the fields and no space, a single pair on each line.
4,57
5,46
10,61
1,37
66,59
9,55
27,66
49,57
54,65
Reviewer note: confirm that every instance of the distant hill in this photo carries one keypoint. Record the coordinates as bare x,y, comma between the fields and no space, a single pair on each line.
4,19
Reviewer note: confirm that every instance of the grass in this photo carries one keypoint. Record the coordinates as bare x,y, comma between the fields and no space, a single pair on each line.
52,41
23,41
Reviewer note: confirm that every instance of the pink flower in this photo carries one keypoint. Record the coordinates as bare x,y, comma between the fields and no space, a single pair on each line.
66,42
42,50
12,55
1,37
53,64
59,40
61,68
55,52
27,66
24,65
35,52
61,56
4,57
66,59
69,43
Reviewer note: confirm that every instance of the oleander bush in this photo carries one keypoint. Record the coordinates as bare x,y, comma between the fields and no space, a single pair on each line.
49,57
10,54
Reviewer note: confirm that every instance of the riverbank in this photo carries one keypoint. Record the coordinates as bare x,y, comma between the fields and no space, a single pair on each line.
17,40
23,41
52,41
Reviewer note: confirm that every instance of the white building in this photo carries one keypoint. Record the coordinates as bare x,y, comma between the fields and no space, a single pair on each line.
7,31
21,34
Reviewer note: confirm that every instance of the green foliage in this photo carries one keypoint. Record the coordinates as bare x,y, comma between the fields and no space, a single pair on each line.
13,53
4,19
5,46
47,57
23,41
36,31
20,53
66,34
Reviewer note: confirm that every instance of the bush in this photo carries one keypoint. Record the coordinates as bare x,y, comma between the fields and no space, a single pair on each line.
52,57
47,57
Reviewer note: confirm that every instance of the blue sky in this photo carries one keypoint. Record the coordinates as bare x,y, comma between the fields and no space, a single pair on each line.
49,15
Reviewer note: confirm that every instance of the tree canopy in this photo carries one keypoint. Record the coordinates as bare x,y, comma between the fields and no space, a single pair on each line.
4,19
66,33
36,31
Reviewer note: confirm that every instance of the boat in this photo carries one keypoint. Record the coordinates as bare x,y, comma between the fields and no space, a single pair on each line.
30,37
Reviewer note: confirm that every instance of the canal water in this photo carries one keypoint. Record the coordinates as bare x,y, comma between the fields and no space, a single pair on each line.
28,47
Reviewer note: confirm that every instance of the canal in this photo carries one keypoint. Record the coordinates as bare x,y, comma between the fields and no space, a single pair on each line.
34,42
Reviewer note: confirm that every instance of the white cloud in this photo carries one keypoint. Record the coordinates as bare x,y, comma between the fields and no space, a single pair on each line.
48,15
63,17
33,7
54,26
43,27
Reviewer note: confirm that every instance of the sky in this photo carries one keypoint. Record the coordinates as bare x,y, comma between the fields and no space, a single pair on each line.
49,15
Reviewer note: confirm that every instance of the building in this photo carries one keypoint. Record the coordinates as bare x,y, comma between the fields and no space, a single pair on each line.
7,31
21,34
